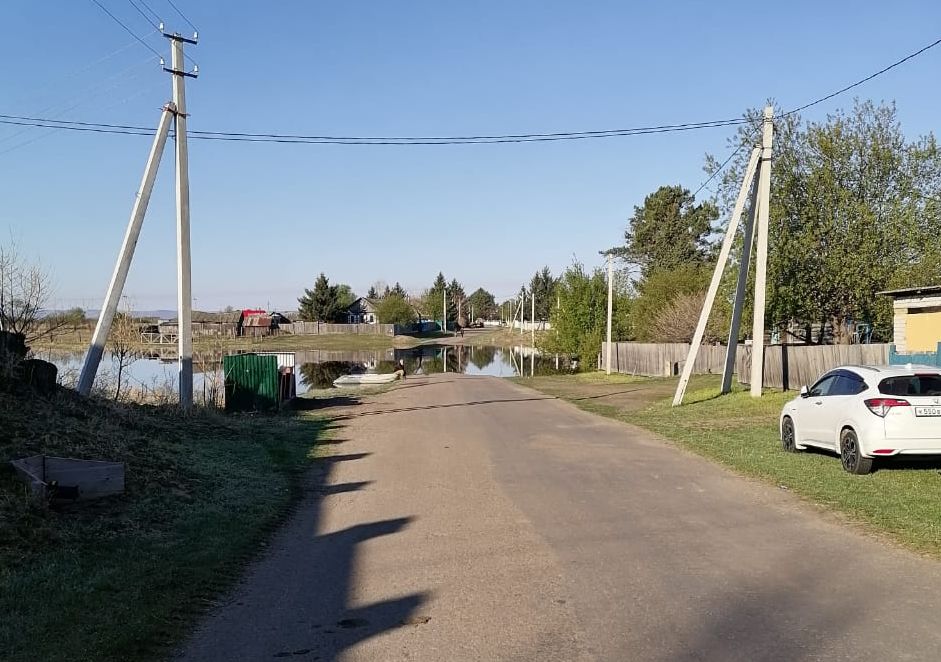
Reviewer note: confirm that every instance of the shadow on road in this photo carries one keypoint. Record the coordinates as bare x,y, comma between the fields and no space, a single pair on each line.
298,601
450,405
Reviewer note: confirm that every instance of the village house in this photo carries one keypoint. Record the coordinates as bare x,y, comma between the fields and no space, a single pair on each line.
362,311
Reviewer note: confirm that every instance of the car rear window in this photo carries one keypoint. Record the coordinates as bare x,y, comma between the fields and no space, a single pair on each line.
911,385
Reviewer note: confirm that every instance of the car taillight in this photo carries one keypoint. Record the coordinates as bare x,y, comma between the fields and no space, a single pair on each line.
881,406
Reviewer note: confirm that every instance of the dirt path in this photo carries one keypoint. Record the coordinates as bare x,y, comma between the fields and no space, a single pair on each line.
466,518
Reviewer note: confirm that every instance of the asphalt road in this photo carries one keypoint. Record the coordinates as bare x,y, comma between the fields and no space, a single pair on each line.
466,518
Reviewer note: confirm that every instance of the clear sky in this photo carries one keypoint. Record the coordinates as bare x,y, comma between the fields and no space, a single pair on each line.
267,218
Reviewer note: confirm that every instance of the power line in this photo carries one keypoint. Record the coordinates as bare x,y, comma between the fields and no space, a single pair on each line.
341,140
147,18
182,15
438,140
127,29
819,101
866,79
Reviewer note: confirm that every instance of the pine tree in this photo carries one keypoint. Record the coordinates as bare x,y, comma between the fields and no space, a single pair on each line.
320,304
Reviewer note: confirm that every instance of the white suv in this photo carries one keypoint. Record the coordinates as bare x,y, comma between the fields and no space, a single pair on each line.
864,412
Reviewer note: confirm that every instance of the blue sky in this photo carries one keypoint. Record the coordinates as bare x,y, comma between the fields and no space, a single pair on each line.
267,218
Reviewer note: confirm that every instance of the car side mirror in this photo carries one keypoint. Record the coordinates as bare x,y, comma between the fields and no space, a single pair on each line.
804,391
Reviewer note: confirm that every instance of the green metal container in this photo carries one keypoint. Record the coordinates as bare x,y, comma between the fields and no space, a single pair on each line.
251,382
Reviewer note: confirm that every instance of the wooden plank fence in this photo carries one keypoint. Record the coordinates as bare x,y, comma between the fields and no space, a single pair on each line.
787,367
315,328
662,359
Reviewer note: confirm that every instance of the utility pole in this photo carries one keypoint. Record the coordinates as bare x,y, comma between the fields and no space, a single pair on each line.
123,265
761,257
522,309
444,309
184,292
532,319
607,356
175,110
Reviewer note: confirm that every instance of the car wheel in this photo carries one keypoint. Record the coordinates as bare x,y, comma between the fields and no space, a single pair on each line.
850,455
788,440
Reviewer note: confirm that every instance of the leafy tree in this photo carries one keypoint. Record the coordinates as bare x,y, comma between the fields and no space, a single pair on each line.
579,323
394,309
669,230
345,298
542,286
482,304
855,210
321,304
432,301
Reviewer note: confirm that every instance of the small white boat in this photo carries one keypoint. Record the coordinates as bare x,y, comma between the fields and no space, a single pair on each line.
366,379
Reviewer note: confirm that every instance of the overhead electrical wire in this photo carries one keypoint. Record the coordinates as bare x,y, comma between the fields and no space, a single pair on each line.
98,127
182,15
127,29
149,19
817,101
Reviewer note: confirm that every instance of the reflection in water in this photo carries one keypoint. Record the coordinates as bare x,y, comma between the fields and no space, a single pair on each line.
433,359
317,369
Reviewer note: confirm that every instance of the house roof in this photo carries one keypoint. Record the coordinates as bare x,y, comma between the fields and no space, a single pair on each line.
363,305
925,290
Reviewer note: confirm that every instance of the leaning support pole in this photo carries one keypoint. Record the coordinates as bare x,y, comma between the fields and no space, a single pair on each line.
761,256
119,277
716,277
738,304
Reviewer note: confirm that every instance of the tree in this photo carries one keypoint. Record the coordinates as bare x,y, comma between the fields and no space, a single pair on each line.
482,304
372,293
122,344
659,290
669,230
394,309
399,291
855,210
25,289
345,298
579,323
320,304
542,286
456,299
432,300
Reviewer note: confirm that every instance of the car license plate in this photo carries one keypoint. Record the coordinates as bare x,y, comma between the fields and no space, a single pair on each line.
927,411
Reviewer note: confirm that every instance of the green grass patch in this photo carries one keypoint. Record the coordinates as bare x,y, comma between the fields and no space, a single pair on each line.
901,499
121,578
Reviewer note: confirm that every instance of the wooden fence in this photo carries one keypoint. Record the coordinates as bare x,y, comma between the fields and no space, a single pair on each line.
789,367
315,329
661,359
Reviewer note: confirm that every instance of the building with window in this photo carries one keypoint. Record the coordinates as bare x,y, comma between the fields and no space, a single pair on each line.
917,321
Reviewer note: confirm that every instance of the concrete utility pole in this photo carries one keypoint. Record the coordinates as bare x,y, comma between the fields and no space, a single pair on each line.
119,277
607,356
444,310
724,253
184,298
761,257
532,318
738,304
522,309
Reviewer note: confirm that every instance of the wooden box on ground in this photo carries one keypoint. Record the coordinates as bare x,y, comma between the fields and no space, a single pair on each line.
69,479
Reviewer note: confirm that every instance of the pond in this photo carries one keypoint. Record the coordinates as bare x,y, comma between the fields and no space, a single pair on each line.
156,372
